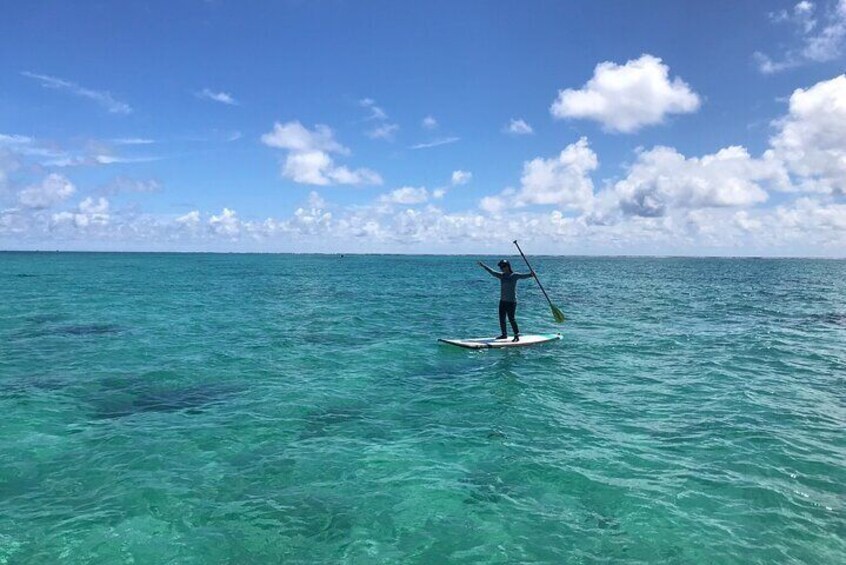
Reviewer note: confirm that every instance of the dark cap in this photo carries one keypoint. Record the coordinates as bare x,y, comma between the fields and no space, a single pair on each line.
503,263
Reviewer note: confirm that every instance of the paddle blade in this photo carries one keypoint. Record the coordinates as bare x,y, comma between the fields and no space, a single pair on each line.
557,314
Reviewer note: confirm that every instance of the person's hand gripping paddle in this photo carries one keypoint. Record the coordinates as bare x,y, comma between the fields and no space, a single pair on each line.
556,313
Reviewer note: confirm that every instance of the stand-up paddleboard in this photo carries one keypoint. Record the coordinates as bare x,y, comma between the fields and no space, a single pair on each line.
493,343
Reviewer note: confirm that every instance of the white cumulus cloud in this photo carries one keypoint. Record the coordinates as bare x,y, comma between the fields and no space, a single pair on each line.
308,159
563,180
293,136
92,207
225,224
406,195
190,220
662,178
460,177
812,215
493,205
813,225
53,189
90,212
429,122
625,98
812,137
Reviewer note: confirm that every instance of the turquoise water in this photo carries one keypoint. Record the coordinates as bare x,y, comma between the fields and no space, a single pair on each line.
272,408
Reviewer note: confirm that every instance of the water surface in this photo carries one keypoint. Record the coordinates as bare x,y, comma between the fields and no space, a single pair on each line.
264,408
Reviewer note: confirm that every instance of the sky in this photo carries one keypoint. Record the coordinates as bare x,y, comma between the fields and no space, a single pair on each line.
334,126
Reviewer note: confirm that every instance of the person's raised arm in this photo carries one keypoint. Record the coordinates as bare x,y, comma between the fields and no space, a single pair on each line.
491,271
525,275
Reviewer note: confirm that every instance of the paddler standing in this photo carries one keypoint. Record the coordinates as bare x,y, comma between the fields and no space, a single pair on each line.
508,295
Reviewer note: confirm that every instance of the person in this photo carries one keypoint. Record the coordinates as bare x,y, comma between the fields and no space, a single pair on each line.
508,295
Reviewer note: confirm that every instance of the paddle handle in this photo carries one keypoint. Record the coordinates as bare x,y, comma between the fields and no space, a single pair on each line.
551,305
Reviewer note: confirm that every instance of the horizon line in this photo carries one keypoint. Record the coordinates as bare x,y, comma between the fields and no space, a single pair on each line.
394,254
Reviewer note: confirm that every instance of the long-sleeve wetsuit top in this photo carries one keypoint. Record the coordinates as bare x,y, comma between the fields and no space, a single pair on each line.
508,283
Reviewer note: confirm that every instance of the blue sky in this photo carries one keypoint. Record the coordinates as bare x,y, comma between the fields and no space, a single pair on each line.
581,127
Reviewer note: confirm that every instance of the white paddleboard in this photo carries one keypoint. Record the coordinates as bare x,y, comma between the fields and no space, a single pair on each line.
493,343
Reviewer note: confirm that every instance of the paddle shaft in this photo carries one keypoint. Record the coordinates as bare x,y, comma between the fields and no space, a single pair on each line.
534,274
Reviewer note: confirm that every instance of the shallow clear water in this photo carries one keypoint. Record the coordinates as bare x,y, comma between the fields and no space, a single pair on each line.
268,408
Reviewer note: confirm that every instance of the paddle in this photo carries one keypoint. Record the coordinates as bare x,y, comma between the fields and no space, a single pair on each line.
556,313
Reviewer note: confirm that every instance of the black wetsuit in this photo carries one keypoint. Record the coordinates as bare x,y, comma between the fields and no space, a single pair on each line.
508,297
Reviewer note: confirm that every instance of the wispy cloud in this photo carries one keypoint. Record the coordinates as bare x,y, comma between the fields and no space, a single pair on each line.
436,142
385,131
518,127
103,98
133,141
376,113
114,159
67,160
822,34
29,147
14,139
129,185
222,97
212,136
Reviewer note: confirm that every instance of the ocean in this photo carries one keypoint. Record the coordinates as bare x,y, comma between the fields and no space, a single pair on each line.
213,408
